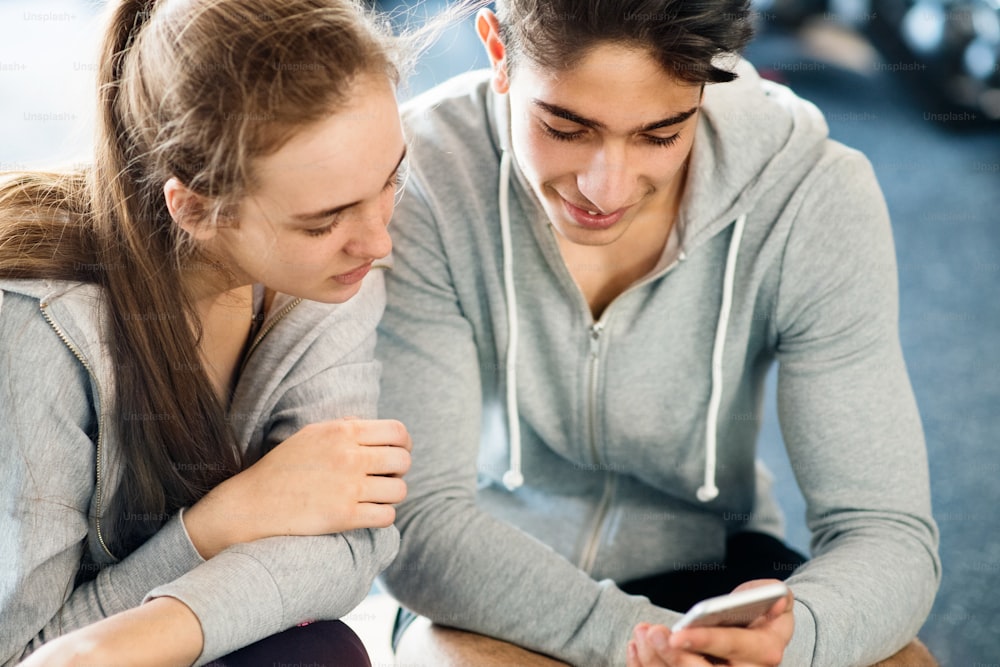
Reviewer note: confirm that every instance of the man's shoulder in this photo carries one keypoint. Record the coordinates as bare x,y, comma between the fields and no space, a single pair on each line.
458,107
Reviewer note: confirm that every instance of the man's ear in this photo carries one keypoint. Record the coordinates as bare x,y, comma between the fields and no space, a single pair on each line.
488,28
188,210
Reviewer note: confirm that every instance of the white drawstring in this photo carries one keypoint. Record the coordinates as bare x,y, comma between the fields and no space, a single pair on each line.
512,479
709,491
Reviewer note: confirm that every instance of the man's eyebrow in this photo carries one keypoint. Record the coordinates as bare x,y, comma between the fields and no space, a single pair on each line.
562,112
326,213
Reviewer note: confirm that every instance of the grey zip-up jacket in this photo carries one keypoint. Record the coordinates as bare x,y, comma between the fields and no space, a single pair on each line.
550,463
58,465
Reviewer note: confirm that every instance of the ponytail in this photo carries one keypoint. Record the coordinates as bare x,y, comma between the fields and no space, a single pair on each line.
108,225
176,443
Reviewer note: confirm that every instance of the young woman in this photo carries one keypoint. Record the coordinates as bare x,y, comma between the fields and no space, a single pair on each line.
606,243
181,326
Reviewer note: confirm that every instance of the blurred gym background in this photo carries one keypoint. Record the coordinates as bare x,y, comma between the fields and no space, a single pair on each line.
914,84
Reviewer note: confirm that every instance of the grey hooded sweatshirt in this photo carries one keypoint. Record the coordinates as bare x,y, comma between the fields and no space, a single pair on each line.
59,465
555,455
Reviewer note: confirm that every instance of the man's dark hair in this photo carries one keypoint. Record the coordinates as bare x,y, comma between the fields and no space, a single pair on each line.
684,36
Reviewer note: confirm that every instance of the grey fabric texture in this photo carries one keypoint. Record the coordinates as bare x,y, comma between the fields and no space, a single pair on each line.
314,364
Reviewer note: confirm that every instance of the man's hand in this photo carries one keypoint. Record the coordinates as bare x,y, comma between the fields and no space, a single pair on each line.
762,643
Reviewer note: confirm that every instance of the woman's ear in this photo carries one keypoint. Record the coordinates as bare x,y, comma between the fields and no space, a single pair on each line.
188,210
488,27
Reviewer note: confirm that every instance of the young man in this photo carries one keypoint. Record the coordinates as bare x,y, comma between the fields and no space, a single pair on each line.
603,247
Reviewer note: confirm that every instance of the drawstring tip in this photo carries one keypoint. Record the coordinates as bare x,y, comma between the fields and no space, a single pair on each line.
707,492
513,480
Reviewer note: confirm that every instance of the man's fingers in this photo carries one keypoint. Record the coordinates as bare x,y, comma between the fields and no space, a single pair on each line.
652,649
632,655
783,606
759,646
778,609
645,650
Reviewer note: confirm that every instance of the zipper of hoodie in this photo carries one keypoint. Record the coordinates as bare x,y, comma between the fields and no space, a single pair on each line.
266,329
100,426
589,556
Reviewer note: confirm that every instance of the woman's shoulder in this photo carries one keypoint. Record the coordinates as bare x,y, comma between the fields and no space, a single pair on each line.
55,325
45,290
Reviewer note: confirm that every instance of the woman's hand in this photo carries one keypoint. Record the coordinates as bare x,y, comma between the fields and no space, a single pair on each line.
329,477
763,642
163,632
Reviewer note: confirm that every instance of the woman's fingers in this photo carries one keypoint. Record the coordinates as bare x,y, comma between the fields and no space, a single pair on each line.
373,515
383,460
385,490
380,432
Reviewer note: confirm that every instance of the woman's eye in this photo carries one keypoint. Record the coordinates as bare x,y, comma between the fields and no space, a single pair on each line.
321,231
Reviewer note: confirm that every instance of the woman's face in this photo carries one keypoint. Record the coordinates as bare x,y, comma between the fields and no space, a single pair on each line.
317,219
602,144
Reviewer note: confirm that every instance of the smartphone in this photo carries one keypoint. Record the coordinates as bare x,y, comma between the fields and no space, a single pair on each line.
734,610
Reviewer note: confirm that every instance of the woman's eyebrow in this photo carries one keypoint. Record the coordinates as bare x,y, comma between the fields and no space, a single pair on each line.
574,117
326,213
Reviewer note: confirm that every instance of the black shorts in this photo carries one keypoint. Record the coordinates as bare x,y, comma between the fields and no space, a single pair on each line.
320,643
748,556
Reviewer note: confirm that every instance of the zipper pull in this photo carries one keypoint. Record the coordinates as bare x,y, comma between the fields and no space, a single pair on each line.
595,338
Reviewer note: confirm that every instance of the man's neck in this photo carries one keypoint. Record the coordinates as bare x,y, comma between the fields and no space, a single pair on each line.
603,272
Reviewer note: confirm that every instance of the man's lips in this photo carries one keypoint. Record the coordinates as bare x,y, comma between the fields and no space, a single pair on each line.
593,220
354,275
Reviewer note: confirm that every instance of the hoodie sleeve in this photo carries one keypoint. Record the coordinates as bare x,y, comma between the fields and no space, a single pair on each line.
253,590
458,565
851,427
47,468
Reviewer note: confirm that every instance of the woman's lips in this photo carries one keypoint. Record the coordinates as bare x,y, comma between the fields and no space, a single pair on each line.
589,220
352,277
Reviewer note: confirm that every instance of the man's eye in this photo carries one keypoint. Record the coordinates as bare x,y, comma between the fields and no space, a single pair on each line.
561,136
663,141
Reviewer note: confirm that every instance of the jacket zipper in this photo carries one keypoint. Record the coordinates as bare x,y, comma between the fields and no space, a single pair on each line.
589,556
100,416
100,426
266,329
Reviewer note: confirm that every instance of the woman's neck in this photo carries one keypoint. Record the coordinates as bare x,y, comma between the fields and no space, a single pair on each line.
226,321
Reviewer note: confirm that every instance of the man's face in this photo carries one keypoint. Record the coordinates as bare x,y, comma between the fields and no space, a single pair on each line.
604,143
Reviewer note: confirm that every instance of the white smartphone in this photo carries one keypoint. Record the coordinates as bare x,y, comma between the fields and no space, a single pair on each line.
734,610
